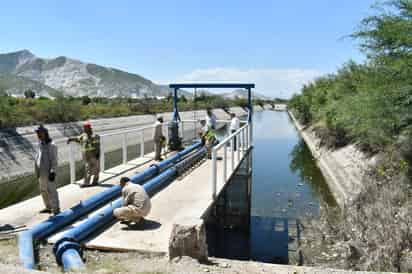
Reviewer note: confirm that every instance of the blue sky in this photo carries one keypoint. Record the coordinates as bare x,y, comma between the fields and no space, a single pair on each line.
277,44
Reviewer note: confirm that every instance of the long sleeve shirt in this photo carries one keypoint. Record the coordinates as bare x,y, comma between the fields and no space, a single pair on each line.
211,121
135,195
157,131
46,159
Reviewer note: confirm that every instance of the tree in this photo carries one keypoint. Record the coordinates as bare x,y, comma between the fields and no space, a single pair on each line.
29,94
169,97
183,99
86,100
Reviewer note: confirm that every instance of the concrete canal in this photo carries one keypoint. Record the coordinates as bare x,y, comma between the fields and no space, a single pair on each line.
259,216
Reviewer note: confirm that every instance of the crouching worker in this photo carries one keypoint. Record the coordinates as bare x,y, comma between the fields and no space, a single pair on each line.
136,203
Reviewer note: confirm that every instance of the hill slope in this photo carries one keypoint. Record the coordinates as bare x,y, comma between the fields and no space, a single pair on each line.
74,77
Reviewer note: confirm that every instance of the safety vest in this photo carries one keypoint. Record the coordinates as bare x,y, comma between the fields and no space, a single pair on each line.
90,145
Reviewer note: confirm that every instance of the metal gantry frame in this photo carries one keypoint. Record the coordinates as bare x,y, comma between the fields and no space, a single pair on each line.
247,86
244,135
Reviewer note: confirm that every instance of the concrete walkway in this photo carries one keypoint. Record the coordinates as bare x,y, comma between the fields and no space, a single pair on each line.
186,197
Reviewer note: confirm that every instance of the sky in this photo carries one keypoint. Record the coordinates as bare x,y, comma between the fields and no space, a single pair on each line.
278,45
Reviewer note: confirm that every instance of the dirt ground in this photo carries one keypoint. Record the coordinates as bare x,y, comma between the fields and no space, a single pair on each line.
137,263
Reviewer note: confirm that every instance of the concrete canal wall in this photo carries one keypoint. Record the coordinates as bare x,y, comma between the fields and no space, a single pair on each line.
342,168
17,146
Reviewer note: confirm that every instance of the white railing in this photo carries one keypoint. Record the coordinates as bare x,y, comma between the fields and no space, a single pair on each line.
141,135
235,147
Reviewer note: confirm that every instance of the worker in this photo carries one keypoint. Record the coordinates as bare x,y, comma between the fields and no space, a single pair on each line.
45,167
234,126
91,154
210,119
136,203
158,138
208,137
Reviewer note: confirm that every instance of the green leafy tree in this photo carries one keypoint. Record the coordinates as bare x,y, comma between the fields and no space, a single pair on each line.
29,94
86,100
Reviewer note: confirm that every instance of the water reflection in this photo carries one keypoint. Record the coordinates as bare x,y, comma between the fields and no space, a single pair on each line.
304,165
287,187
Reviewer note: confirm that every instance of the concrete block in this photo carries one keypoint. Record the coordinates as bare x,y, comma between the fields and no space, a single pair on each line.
188,238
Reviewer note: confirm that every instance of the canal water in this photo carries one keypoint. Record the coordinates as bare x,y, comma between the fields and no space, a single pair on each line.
258,217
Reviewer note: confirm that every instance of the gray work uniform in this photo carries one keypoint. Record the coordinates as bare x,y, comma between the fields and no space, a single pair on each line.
45,163
136,203
91,154
157,139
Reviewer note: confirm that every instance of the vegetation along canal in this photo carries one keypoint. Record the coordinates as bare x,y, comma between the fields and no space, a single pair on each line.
286,189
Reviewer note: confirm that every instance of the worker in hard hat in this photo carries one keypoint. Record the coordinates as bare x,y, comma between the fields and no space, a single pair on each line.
136,203
208,137
45,167
158,138
91,153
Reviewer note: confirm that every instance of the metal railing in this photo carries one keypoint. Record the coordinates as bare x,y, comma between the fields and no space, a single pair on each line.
235,147
188,131
139,143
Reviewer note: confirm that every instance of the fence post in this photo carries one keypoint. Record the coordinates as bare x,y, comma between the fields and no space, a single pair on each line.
238,146
248,136
72,163
232,143
124,148
142,143
101,155
225,162
243,142
183,131
214,173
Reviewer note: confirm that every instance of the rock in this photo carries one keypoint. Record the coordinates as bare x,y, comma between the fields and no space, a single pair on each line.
406,262
188,238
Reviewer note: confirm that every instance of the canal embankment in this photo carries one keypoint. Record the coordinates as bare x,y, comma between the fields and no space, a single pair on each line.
343,168
373,230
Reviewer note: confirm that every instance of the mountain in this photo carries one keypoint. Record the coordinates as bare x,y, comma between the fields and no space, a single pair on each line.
241,93
22,70
17,85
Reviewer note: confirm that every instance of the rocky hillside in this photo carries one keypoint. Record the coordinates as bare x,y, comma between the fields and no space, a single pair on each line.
22,70
241,93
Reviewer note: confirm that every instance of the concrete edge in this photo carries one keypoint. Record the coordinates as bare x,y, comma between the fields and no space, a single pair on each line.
341,195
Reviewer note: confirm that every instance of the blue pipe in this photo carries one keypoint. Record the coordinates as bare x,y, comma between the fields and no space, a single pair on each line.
39,232
70,240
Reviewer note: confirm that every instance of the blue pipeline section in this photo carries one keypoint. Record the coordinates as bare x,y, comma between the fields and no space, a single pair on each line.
26,239
67,249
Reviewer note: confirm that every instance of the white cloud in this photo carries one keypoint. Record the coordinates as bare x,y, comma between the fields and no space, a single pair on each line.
270,82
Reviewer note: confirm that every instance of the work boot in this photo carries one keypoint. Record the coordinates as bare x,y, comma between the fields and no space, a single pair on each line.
45,210
56,212
125,222
85,185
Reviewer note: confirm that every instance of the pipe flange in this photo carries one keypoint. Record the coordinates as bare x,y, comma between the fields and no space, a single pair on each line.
62,246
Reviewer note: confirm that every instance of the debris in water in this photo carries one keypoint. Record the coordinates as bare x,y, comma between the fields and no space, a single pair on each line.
290,203
300,184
